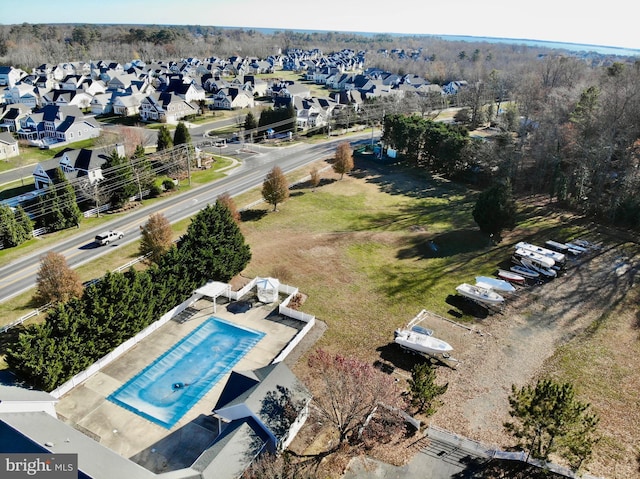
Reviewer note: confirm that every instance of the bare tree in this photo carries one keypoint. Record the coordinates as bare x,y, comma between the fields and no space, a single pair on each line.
275,188
157,237
227,200
314,177
56,282
352,396
344,159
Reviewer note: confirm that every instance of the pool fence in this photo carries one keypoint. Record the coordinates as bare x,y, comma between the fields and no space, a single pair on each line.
283,309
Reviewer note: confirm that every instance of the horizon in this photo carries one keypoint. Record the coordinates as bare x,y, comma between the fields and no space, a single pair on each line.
547,21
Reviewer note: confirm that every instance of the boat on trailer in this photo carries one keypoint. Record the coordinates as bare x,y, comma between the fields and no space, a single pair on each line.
421,343
526,272
511,277
558,258
495,284
546,272
479,294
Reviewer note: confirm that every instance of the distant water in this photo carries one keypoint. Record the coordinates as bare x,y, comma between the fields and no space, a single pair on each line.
574,47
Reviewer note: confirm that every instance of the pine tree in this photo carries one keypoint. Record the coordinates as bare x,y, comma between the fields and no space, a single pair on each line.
549,419
424,390
250,122
68,204
118,179
275,188
181,136
25,225
213,247
164,139
495,210
10,229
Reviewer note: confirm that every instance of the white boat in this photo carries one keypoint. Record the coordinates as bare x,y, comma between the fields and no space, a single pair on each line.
536,258
558,258
511,276
575,249
495,284
526,272
480,294
421,343
559,247
547,272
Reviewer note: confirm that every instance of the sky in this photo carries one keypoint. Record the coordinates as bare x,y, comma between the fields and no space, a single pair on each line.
612,23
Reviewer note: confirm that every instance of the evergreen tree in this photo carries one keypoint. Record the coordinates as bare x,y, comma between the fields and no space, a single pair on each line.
139,152
275,188
495,210
25,225
250,122
164,139
181,136
118,179
548,418
67,202
15,227
424,390
213,247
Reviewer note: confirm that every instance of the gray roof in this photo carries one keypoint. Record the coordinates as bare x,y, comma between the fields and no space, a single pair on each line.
254,389
15,393
95,460
233,451
7,138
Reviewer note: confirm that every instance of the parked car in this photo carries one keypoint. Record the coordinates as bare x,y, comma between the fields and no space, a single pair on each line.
108,236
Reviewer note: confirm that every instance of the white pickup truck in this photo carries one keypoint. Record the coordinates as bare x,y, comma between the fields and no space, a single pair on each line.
108,236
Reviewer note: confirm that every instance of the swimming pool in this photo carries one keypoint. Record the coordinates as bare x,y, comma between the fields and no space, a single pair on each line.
165,390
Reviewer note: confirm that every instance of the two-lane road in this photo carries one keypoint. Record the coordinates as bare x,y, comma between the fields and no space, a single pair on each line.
20,275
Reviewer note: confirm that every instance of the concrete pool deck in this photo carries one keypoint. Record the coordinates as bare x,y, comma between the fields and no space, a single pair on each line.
159,449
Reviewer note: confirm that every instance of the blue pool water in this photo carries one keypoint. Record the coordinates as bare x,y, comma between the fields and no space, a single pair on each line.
165,390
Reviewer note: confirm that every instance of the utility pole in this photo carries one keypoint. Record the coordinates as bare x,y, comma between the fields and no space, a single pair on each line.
188,147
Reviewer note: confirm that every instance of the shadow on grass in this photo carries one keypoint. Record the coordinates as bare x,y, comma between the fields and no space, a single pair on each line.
252,215
443,245
396,178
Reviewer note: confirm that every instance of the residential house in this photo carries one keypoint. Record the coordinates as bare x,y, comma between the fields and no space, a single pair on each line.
10,76
12,115
233,98
167,107
82,164
101,104
189,92
67,98
258,396
31,126
127,105
8,146
67,124
453,87
23,93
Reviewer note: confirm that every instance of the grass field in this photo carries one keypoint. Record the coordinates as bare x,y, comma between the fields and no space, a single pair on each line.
371,250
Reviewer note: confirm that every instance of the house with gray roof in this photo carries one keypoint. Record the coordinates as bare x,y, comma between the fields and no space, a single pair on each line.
8,146
259,410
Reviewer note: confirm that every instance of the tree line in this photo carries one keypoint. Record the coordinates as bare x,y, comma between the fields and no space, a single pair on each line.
81,330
